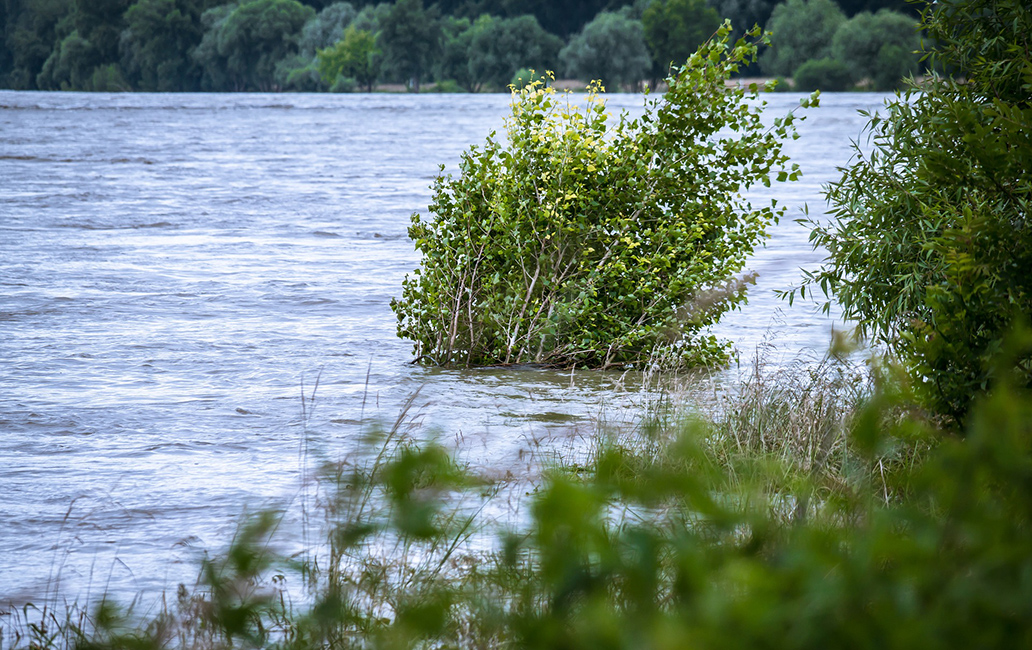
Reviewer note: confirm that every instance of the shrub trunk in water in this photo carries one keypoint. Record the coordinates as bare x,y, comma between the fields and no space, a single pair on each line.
592,241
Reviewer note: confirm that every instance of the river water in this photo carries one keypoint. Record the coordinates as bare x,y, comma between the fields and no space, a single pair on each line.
176,269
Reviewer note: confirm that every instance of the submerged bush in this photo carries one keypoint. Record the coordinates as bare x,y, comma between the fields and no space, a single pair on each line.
588,241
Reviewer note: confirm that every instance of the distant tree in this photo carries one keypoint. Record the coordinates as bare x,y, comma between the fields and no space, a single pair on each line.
635,10
743,14
827,74
370,16
356,56
156,43
87,39
411,39
101,23
244,43
674,29
368,20
5,53
214,72
503,46
69,66
853,7
300,71
561,18
800,30
453,60
326,28
611,48
881,47
108,78
31,31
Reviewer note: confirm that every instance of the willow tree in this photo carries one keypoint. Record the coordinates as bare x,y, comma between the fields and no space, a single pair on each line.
930,247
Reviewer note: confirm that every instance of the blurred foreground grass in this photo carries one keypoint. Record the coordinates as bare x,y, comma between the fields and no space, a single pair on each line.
809,509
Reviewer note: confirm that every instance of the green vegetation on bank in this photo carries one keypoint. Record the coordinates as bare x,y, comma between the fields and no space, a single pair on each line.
809,513
930,249
818,46
808,510
471,45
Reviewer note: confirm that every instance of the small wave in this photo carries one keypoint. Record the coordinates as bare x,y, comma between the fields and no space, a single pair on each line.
115,226
383,236
323,233
236,106
91,161
38,159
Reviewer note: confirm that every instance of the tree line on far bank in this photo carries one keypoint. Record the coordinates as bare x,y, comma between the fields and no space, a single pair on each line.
457,45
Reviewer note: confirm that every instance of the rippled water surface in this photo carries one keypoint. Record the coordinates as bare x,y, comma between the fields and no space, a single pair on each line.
175,268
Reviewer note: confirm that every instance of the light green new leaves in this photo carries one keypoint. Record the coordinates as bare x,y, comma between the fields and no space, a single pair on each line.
588,240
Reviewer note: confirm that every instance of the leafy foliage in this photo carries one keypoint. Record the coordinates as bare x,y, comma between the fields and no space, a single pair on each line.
829,75
326,28
881,47
944,568
410,36
214,75
30,36
156,45
85,52
300,71
267,27
500,47
168,45
663,541
930,250
589,242
525,76
611,48
69,66
801,31
560,18
244,46
675,28
453,63
744,14
355,56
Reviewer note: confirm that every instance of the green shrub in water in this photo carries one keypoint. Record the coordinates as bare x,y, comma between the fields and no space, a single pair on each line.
580,240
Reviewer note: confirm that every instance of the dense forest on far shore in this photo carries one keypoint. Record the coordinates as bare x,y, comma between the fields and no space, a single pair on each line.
449,46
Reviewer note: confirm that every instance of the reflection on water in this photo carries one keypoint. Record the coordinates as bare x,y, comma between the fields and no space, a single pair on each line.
176,270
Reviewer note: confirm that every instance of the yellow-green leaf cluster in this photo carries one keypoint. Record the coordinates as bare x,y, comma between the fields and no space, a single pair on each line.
593,240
